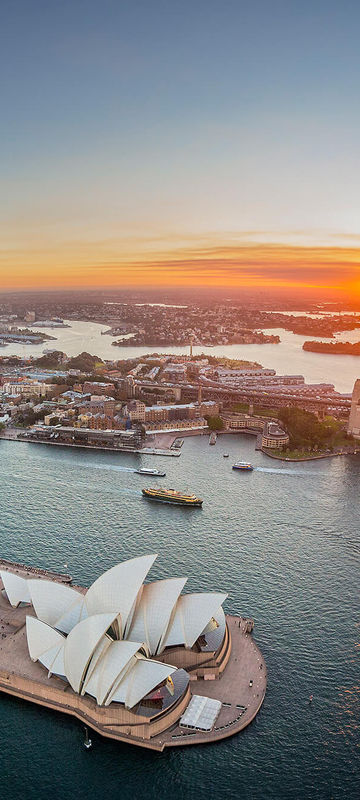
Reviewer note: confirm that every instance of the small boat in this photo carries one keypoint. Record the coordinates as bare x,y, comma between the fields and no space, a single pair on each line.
226,455
172,496
87,742
177,444
146,471
244,465
212,438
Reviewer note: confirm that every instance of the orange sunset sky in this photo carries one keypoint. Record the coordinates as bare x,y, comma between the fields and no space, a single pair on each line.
210,261
189,145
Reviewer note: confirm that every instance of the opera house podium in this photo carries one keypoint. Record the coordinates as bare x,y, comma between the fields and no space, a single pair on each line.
123,655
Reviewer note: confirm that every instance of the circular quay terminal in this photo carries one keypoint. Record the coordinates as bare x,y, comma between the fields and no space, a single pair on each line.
143,663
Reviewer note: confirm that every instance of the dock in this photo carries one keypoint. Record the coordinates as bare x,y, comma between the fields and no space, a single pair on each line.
151,451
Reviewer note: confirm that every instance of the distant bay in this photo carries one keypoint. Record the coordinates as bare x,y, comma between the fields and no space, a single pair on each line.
286,357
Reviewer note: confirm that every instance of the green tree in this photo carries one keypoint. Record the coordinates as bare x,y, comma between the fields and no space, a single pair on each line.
215,423
306,430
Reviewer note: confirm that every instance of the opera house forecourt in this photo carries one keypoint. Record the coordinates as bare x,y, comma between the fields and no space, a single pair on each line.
138,662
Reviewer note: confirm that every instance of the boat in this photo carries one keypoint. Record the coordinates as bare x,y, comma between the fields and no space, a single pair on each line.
172,496
87,742
177,444
212,438
244,465
146,471
226,455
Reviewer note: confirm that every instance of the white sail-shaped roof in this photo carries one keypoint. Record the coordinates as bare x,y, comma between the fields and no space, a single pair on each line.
120,687
58,666
153,612
55,603
45,645
111,669
76,613
116,589
142,679
81,644
96,659
192,614
219,618
15,587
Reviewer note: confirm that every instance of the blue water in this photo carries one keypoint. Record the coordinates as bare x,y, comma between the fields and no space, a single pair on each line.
283,542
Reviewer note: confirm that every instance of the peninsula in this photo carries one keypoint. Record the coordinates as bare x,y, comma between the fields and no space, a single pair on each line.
139,663
14,335
333,348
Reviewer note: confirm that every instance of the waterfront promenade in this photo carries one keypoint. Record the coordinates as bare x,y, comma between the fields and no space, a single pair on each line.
160,444
19,435
241,689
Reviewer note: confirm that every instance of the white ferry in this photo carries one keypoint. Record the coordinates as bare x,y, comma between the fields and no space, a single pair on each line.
243,465
146,471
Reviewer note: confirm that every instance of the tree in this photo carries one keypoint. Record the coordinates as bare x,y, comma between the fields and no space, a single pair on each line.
305,430
50,360
215,423
85,362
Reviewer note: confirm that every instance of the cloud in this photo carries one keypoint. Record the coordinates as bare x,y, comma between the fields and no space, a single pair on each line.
197,261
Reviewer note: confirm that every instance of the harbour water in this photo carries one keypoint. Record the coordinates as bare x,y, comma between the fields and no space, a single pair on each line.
283,541
286,357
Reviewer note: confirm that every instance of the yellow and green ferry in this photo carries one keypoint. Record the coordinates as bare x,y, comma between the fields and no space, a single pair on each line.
172,496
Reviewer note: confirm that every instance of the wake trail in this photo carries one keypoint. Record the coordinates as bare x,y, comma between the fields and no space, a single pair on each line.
106,467
303,473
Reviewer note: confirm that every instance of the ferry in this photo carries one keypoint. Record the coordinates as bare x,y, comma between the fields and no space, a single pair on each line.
244,465
172,496
212,438
146,471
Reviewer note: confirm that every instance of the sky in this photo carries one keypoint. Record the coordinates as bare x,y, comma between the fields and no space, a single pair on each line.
166,143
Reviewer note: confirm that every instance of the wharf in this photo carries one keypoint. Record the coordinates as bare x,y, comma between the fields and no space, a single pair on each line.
241,687
153,451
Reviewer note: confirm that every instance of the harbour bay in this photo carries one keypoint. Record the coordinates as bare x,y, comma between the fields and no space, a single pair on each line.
180,401
283,543
286,357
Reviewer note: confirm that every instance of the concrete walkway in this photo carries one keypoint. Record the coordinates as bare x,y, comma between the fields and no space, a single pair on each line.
241,690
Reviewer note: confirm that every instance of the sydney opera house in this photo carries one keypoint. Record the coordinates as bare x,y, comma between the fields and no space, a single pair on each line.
124,655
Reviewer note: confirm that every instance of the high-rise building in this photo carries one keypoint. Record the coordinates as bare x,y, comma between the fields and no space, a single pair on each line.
130,386
354,419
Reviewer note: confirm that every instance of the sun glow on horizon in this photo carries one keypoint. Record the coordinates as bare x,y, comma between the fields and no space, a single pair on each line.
214,261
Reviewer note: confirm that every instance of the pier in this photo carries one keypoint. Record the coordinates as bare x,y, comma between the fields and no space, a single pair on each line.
13,435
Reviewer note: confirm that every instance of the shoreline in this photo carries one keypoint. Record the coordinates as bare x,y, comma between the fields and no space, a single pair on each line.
168,451
146,451
308,458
